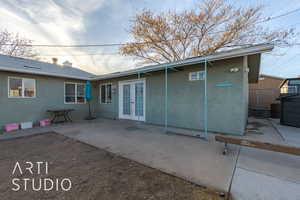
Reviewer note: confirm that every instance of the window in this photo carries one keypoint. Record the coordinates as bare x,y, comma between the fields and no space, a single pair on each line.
74,93
294,82
80,93
21,87
105,93
194,76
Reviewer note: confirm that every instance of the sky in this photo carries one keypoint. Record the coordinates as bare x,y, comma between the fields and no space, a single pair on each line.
75,22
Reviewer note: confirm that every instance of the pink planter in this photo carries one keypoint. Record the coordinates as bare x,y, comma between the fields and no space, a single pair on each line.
11,127
45,122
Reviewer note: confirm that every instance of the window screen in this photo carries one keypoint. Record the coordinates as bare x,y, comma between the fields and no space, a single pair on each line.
74,93
80,93
15,87
106,93
103,94
21,87
29,87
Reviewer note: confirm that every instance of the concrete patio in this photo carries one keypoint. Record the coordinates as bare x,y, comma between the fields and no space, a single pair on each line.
191,158
245,172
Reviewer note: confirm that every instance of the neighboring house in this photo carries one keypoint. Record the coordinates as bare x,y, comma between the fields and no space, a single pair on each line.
140,94
290,102
290,86
265,92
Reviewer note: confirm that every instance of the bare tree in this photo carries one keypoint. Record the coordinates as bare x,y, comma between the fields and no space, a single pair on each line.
14,45
213,25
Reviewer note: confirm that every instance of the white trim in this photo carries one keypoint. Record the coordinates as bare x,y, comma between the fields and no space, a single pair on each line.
23,89
132,91
75,83
100,93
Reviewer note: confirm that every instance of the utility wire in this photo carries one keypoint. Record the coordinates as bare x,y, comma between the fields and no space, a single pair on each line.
87,54
121,44
281,15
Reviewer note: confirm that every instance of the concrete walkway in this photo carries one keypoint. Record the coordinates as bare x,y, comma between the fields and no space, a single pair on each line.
291,135
264,174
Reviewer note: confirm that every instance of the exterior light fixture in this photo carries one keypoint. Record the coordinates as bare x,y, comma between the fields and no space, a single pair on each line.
234,70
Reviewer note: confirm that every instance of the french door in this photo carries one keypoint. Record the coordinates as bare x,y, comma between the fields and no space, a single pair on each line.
132,99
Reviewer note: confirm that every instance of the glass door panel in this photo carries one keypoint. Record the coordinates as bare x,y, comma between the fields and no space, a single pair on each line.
126,100
139,99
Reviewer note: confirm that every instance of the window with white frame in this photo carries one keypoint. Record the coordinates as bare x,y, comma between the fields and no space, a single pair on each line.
74,93
105,93
21,87
194,76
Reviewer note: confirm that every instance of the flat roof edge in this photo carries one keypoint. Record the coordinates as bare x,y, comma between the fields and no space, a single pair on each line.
257,49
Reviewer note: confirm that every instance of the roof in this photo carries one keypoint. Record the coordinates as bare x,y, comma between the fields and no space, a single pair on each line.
271,76
22,65
288,79
250,50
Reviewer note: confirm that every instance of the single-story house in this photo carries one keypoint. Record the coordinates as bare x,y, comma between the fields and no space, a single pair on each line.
290,86
188,94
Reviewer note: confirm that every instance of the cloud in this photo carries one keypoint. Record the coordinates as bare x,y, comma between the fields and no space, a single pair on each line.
105,21
60,22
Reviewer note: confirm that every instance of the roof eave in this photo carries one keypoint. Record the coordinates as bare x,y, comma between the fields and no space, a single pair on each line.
8,69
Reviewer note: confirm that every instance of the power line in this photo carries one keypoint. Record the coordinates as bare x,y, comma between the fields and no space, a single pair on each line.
69,46
281,15
95,54
121,44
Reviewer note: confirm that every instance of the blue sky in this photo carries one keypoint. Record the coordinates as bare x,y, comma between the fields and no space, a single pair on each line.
101,21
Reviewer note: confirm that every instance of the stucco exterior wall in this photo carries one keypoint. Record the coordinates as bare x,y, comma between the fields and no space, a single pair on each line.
49,95
227,105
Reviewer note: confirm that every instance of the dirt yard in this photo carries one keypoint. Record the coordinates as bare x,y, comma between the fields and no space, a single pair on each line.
94,173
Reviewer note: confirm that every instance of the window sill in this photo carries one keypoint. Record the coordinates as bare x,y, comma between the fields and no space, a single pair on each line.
21,97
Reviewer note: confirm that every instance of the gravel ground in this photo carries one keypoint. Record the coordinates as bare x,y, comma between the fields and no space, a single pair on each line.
94,173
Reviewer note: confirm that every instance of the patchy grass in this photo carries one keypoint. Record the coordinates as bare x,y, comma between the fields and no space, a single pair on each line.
95,173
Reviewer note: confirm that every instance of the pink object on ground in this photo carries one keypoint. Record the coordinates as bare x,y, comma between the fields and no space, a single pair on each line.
11,127
45,122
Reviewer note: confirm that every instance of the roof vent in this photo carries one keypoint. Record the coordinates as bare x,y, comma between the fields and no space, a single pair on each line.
31,67
54,61
67,64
